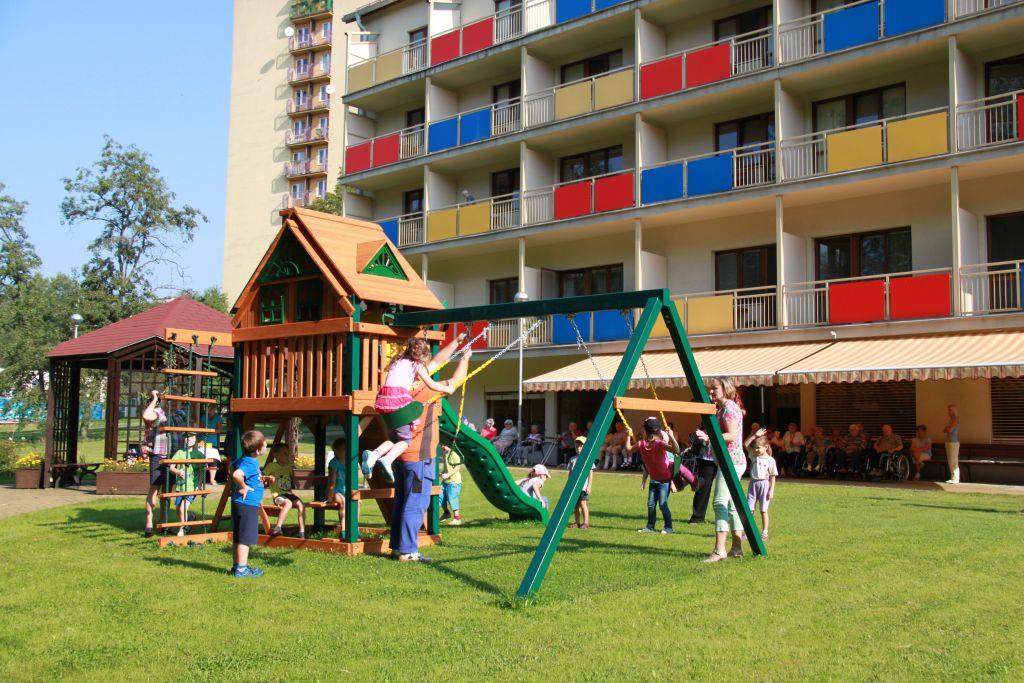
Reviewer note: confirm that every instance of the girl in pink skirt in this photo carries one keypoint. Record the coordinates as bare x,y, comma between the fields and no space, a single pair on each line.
394,400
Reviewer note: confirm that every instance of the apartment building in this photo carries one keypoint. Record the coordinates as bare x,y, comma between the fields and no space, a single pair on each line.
286,59
830,189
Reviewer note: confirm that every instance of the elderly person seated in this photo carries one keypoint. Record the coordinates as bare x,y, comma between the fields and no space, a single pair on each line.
817,449
567,443
489,431
507,438
920,450
793,447
855,445
835,453
885,445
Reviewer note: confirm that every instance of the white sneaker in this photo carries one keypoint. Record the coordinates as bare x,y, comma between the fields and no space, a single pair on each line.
455,522
181,532
952,481
388,472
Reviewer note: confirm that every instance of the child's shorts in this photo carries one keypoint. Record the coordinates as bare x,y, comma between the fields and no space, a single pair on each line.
157,472
403,433
758,494
583,496
280,498
450,495
245,520
184,499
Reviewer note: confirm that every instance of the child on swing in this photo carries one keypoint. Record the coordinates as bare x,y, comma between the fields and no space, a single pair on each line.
414,364
657,448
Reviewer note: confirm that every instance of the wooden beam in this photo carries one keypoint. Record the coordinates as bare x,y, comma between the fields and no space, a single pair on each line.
198,539
194,430
184,336
194,373
397,332
287,330
654,405
384,494
292,406
189,399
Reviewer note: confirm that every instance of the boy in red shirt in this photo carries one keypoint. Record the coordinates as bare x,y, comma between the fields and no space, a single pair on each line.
657,449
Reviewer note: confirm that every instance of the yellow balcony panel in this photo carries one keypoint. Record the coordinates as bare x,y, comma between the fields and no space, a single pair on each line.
572,100
852,149
475,218
660,329
441,224
389,66
613,90
921,136
360,76
710,314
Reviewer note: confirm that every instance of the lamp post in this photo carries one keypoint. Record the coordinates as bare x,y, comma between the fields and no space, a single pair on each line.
76,319
520,297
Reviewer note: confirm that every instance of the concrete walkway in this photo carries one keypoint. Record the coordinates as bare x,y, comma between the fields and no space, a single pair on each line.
19,501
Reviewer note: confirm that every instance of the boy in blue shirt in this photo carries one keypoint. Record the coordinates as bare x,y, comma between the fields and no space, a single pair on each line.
245,502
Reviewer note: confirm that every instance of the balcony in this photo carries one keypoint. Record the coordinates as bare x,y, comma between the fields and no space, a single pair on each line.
889,141
967,8
305,137
310,41
306,167
292,201
312,72
471,218
501,333
708,174
855,25
991,288
579,98
307,9
720,61
493,120
310,104
385,149
404,230
387,66
990,121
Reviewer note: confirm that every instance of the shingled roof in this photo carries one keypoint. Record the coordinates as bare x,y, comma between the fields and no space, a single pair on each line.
179,313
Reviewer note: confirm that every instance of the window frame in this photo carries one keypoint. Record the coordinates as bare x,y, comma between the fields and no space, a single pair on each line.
304,312
769,117
768,254
765,10
588,277
849,100
998,62
492,285
855,247
586,156
587,63
279,291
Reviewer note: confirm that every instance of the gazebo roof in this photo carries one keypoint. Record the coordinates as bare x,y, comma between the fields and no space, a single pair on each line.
181,314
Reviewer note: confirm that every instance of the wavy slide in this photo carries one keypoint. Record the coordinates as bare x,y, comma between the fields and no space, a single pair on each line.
488,470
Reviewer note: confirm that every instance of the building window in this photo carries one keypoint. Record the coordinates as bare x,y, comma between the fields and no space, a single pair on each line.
299,126
298,189
325,62
322,123
506,91
503,291
302,35
301,65
862,107
415,117
1006,237
301,97
1007,410
506,6
412,201
744,22
309,299
321,188
1004,76
298,155
874,253
325,97
591,66
588,164
870,404
745,268
597,280
505,182
743,132
272,304
826,5
321,156
418,35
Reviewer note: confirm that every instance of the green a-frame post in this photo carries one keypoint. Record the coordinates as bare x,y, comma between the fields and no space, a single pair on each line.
654,303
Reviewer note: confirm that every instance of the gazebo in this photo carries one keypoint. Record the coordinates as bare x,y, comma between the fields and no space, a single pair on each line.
180,341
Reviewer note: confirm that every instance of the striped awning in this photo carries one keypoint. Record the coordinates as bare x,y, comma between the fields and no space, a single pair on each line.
979,355
745,365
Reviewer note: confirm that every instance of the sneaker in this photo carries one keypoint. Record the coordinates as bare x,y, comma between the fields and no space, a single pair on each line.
645,530
276,531
415,557
366,462
388,473
764,535
952,481
455,522
181,532
246,572
667,531
446,515
302,535
147,532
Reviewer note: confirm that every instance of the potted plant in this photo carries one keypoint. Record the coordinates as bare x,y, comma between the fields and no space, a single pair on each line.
125,477
303,471
26,471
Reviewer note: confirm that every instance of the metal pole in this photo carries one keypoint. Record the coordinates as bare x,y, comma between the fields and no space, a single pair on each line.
519,419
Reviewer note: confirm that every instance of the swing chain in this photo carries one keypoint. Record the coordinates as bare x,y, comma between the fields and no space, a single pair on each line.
581,344
627,314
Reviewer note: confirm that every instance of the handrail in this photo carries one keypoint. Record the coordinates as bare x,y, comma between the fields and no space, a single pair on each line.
590,179
865,124
981,102
740,38
503,104
475,201
967,8
976,268
816,16
752,148
818,284
402,131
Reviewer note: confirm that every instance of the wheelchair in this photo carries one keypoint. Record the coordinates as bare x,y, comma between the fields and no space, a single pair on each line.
894,466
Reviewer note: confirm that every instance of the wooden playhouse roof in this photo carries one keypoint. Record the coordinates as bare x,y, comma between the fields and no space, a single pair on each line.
341,247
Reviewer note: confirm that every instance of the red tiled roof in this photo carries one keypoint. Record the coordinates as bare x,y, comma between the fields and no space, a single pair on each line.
181,313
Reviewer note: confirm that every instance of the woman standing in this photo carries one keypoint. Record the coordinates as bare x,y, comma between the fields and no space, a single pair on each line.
952,430
730,419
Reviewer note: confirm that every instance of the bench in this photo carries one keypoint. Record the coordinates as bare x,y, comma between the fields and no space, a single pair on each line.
61,474
979,455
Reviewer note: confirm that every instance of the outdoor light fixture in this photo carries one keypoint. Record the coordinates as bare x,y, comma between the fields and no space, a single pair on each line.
76,319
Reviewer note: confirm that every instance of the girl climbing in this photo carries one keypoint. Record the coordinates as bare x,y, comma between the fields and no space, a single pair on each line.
394,400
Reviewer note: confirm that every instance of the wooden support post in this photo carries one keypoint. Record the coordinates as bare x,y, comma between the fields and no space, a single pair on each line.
350,379
320,471
578,476
51,432
113,416
74,408
237,429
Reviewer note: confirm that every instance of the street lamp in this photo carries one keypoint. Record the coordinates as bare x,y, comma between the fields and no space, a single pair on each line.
76,319
519,298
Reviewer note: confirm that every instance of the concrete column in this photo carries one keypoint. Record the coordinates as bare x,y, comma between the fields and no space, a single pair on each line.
954,217
521,270
638,248
780,265
424,266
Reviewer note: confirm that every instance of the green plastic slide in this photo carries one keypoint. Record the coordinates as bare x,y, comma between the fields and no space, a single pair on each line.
488,470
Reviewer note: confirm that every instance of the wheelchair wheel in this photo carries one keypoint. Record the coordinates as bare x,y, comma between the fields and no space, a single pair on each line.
900,467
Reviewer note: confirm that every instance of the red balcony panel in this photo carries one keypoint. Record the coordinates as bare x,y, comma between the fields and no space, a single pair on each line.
444,48
662,77
613,192
708,65
475,329
357,157
572,200
386,149
478,35
1020,116
856,302
472,330
919,296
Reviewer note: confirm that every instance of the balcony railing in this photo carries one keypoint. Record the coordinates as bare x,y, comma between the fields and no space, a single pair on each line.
302,9
501,333
855,24
581,97
473,217
309,72
475,125
291,201
310,39
365,72
293,169
993,120
708,174
736,56
385,149
903,138
991,287
305,137
966,8
307,105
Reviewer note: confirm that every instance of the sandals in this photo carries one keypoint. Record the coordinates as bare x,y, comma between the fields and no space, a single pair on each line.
714,557
736,553
574,525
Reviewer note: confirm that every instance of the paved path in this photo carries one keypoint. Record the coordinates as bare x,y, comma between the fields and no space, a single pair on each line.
19,501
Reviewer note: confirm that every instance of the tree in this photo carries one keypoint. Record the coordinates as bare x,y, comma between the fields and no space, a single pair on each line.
18,258
140,228
332,202
214,297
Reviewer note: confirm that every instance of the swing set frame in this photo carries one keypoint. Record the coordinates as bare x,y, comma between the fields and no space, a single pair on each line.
652,303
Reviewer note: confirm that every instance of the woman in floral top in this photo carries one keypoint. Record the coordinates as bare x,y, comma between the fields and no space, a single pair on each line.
730,419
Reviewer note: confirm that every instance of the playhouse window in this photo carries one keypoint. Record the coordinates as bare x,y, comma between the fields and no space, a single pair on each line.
271,305
309,299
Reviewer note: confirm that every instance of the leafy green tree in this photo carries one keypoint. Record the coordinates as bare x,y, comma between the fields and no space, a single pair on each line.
332,202
214,297
18,258
140,228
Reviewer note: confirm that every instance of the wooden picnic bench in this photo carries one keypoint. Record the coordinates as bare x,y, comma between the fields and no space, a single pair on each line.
64,474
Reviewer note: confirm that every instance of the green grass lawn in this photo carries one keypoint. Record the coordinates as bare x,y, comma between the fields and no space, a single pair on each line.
861,583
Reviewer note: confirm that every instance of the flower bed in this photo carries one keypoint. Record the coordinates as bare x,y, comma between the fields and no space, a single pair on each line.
123,477
26,478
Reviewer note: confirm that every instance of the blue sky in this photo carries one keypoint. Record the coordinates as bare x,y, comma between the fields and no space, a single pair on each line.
153,73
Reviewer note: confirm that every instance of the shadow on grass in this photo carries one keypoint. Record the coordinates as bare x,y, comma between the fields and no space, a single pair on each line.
951,508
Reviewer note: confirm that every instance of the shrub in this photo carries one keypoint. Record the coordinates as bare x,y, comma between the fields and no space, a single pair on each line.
303,462
111,465
7,451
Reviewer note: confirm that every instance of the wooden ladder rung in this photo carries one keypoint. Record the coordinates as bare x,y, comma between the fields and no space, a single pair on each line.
321,505
196,430
178,525
191,461
384,494
194,373
177,494
189,399
651,405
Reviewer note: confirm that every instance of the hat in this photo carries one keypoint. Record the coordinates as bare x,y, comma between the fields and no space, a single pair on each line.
540,470
581,439
509,422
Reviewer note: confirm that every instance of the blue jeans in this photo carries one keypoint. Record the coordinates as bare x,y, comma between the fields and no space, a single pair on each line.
657,496
450,496
413,481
